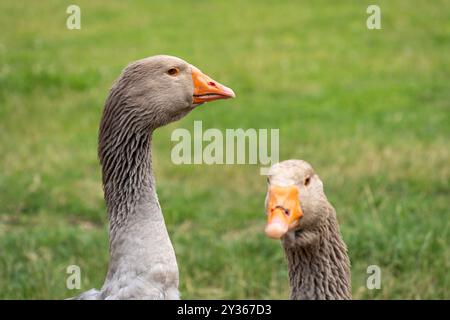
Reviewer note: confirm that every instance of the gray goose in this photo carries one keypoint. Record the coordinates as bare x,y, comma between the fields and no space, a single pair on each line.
299,213
149,93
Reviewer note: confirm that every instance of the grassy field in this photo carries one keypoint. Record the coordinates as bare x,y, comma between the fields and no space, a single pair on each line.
369,109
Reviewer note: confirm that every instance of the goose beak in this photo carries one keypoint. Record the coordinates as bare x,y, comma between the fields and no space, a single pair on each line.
283,210
207,89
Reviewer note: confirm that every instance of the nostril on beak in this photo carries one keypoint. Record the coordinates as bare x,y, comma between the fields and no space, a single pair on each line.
212,84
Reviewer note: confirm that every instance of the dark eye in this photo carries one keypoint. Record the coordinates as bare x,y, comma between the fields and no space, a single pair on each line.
173,71
307,181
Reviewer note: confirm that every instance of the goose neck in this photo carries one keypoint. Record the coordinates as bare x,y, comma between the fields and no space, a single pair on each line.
320,269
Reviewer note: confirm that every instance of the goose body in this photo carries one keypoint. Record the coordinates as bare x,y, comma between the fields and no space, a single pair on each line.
149,93
300,215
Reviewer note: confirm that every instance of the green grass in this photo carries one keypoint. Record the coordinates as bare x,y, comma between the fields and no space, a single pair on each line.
369,109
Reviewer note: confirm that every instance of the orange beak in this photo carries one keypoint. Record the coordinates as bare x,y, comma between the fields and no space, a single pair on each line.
207,89
283,211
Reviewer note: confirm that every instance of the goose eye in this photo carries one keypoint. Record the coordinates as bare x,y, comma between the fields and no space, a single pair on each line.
307,181
173,71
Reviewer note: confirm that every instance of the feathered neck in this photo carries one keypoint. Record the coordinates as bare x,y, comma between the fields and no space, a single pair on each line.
125,158
142,260
319,267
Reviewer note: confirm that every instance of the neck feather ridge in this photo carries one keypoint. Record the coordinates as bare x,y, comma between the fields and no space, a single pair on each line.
321,269
142,260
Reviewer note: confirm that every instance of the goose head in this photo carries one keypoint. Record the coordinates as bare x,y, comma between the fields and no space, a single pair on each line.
295,200
162,89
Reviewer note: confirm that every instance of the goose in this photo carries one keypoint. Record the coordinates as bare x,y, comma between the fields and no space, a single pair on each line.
299,214
148,94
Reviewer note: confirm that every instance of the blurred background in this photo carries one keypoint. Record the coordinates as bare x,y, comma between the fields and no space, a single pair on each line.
370,109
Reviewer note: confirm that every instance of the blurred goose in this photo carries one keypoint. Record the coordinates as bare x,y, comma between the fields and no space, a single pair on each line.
299,213
149,93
